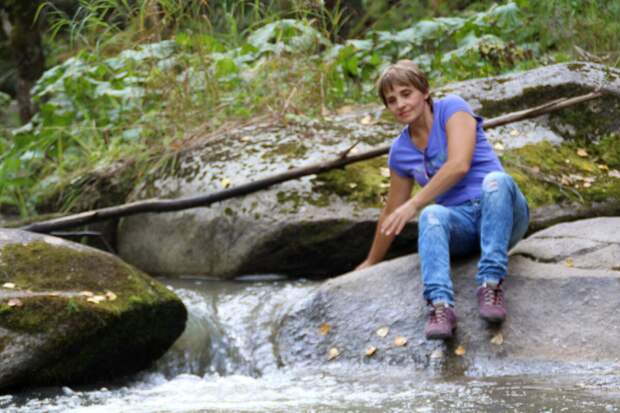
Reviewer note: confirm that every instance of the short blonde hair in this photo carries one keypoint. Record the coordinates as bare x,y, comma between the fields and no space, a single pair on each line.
402,73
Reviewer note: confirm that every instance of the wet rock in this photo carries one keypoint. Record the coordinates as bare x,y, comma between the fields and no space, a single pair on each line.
72,314
322,225
558,312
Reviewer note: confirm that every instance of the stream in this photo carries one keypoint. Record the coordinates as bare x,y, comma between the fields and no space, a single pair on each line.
227,361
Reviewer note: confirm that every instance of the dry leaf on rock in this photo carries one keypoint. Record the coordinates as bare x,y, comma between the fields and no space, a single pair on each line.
514,132
245,139
384,171
498,146
15,302
437,354
459,351
324,329
498,339
333,353
225,183
383,331
86,294
110,295
603,167
370,351
582,152
96,299
8,285
400,341
569,263
366,120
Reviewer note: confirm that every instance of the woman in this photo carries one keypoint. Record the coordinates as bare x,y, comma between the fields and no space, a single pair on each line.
477,206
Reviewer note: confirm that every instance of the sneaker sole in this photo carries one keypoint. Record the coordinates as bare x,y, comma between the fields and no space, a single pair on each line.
493,319
445,336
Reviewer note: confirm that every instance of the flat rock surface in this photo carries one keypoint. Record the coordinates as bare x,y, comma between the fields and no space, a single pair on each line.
558,314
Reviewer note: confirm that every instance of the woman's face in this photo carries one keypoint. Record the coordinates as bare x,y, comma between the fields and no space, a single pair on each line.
406,103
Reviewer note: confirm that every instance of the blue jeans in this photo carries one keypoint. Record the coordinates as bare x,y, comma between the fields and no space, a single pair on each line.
490,225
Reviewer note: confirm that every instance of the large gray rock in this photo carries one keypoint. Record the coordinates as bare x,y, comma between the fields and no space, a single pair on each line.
559,311
319,226
73,314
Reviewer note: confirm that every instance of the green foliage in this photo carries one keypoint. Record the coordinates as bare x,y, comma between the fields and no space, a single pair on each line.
129,98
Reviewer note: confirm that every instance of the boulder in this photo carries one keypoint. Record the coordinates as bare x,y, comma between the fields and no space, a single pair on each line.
562,296
72,314
322,225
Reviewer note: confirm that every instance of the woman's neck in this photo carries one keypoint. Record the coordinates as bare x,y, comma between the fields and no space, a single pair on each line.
420,129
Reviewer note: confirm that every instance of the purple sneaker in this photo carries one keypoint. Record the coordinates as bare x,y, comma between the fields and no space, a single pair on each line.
491,303
441,323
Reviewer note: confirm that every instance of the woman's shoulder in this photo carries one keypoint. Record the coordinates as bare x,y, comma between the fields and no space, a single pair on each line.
452,100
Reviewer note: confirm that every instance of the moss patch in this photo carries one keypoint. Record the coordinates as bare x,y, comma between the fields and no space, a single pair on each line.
551,174
364,183
41,267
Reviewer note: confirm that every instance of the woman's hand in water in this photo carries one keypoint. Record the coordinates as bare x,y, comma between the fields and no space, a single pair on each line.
396,221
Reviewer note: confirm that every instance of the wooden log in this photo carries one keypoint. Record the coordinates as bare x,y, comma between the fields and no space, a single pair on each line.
168,205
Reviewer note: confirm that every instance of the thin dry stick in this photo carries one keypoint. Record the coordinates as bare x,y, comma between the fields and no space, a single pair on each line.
158,205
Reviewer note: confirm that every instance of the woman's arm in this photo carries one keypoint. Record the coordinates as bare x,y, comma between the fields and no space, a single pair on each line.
398,194
461,134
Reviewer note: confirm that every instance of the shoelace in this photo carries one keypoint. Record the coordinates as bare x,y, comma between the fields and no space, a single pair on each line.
493,297
438,315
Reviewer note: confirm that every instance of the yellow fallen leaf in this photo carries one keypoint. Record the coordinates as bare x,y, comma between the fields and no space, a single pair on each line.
582,152
498,339
245,139
352,185
498,146
400,341
385,172
587,184
15,302
96,299
8,285
459,351
383,331
333,353
86,294
366,120
225,183
110,295
324,329
437,354
370,351
569,263
603,167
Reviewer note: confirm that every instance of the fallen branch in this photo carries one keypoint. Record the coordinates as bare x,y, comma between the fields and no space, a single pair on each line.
161,205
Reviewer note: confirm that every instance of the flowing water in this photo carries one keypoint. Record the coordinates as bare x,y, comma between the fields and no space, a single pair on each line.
226,361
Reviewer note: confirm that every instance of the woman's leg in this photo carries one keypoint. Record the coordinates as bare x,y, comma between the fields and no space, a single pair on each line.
442,231
503,222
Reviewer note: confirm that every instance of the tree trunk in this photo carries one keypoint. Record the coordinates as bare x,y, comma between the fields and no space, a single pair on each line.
27,50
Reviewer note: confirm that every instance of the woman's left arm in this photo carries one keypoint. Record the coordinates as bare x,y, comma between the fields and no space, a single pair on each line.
461,134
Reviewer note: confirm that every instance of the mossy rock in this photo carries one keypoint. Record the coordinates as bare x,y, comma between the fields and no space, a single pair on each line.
72,314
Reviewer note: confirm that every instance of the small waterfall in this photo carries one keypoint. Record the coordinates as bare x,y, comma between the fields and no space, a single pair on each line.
230,327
